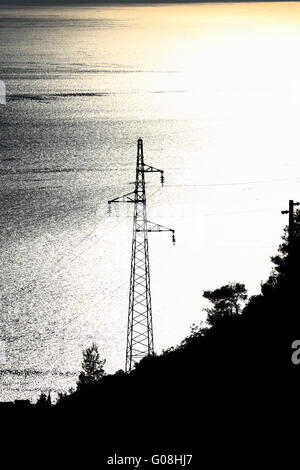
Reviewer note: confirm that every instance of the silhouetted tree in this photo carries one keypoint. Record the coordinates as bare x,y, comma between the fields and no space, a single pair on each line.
285,262
44,401
227,301
92,366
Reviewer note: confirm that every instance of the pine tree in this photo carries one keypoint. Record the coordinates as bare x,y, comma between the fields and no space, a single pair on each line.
92,366
284,274
227,301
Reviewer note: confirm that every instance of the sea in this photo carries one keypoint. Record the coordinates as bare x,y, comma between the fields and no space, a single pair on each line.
213,91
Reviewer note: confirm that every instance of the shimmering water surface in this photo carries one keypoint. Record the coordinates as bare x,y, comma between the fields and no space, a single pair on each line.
214,92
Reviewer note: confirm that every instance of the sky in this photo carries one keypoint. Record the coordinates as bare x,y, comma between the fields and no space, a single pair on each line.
99,2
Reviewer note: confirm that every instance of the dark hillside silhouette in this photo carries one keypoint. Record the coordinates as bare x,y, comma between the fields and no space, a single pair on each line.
226,393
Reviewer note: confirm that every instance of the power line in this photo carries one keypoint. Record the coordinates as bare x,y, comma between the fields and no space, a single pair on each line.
240,183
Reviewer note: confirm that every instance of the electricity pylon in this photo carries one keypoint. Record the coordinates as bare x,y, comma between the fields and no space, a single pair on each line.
140,327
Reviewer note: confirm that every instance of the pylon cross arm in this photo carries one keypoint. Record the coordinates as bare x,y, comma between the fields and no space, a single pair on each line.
151,169
129,197
153,227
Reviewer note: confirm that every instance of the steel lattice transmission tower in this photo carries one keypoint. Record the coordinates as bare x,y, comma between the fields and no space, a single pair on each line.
140,327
